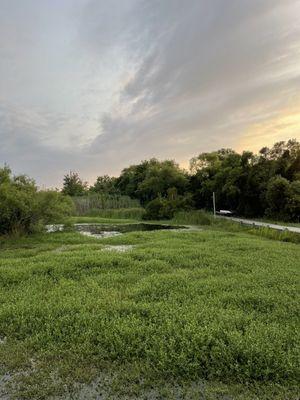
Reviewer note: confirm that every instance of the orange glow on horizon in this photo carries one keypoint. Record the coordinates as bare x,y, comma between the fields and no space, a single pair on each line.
283,126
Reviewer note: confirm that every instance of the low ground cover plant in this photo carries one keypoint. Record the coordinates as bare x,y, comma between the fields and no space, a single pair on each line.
209,306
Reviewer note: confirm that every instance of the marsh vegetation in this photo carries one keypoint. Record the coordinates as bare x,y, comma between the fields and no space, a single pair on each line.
208,307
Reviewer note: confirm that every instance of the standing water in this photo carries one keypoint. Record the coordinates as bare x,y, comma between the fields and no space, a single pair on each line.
108,230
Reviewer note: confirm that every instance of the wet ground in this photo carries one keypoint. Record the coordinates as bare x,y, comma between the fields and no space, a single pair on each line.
110,230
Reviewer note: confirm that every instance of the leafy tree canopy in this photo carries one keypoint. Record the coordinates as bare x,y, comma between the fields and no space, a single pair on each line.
73,185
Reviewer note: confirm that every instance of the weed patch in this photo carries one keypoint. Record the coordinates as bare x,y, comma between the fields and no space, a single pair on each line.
178,308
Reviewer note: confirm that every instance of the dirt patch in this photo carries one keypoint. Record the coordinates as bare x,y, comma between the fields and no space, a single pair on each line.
119,248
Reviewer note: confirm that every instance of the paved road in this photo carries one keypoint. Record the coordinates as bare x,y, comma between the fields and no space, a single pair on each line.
265,224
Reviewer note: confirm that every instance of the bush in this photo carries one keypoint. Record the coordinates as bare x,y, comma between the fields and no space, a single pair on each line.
23,209
53,206
158,208
165,208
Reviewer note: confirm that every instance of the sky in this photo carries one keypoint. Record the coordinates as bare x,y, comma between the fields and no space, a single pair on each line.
96,85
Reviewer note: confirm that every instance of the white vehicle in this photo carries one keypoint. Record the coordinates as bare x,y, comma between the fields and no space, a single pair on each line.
225,212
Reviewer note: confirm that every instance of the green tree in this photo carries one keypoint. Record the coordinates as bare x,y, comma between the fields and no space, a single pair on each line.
132,176
73,185
293,204
152,178
241,182
5,173
278,196
105,184
218,172
159,178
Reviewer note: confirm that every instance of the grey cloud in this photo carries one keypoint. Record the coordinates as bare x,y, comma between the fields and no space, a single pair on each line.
165,78
23,146
208,70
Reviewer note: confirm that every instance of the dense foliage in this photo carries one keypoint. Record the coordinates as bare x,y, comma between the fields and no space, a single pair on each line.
105,184
73,185
151,179
24,209
266,184
262,185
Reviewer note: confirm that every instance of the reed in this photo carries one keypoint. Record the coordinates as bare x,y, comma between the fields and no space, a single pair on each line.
101,201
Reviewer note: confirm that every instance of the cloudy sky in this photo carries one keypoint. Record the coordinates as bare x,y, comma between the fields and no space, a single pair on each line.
96,85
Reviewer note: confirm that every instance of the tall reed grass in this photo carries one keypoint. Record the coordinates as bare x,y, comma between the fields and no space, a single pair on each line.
99,201
121,213
195,217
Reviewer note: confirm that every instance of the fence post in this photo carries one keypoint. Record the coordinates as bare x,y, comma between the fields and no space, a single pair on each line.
214,204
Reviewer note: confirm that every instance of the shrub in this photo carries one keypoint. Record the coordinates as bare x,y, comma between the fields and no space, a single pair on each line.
73,185
52,206
159,208
23,209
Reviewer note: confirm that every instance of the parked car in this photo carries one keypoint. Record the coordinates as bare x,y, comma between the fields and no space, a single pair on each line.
225,213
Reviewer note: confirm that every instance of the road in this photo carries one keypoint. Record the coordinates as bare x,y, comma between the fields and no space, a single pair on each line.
264,224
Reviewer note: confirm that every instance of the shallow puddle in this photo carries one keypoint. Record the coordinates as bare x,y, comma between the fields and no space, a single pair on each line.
107,230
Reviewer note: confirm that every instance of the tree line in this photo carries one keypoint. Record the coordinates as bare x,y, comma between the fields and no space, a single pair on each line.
266,184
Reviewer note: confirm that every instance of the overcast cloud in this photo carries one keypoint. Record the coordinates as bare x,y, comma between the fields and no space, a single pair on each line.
95,85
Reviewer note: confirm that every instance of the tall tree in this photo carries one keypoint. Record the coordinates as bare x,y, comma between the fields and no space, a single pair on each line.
105,184
241,182
152,178
73,185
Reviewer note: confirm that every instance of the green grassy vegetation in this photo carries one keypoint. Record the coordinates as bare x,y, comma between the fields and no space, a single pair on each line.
99,220
208,313
195,217
200,217
127,213
272,221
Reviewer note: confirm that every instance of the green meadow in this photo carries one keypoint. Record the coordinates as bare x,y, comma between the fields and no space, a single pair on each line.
198,314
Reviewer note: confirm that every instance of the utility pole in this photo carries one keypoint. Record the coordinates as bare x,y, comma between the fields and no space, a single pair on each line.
214,204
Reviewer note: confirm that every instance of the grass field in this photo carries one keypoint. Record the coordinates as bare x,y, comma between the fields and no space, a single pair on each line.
205,314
